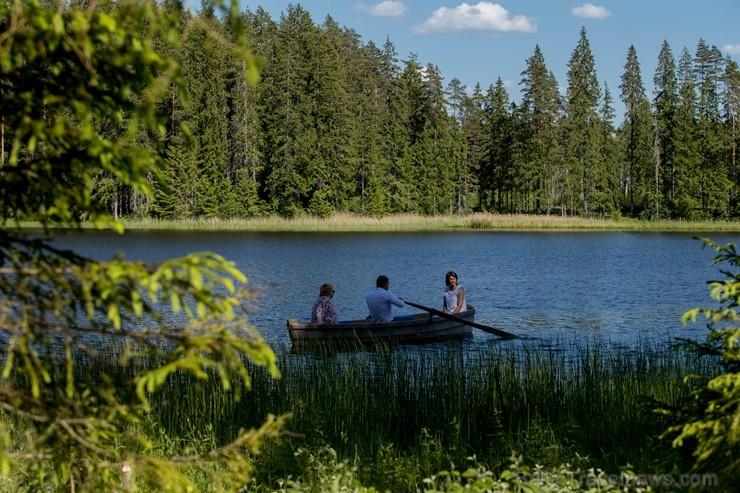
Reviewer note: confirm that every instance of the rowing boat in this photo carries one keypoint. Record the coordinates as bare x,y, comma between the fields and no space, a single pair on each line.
419,327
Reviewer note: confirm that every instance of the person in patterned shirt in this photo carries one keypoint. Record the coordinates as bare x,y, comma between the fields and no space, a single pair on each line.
323,311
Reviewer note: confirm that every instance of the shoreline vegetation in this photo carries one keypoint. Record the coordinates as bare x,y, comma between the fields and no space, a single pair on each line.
416,223
587,405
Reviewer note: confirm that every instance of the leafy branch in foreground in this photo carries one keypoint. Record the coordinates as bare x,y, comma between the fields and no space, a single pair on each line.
710,424
65,422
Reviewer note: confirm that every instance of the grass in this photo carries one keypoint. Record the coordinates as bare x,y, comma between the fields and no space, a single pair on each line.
410,223
412,414
393,417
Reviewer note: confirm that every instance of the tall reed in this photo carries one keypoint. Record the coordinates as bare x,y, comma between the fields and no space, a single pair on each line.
413,411
591,402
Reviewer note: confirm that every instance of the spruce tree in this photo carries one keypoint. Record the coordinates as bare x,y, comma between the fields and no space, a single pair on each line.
437,147
540,113
637,141
205,65
730,130
687,202
608,187
287,109
583,164
471,120
244,135
496,174
713,182
370,195
665,103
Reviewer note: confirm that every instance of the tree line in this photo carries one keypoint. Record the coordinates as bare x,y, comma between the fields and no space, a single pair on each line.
338,125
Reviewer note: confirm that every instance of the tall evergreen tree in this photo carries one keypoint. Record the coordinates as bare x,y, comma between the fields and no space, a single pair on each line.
714,186
416,148
206,67
584,164
609,186
456,96
496,174
637,139
471,117
731,132
387,180
244,135
333,91
540,111
665,103
264,42
290,139
440,146
169,199
369,179
687,197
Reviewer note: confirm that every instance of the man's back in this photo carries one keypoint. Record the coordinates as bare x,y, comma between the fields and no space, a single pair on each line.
379,303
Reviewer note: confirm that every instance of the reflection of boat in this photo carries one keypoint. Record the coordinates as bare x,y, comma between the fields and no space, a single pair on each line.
419,327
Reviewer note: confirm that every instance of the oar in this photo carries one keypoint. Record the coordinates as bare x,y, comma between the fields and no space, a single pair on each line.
449,316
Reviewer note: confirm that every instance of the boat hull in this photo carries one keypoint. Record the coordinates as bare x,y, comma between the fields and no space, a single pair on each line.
421,327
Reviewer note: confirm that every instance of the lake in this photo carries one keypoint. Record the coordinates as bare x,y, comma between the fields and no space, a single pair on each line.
623,288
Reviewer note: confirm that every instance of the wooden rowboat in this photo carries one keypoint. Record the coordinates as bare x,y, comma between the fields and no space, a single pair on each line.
419,327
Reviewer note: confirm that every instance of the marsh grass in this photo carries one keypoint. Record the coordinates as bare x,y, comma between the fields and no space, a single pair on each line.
412,223
402,414
413,413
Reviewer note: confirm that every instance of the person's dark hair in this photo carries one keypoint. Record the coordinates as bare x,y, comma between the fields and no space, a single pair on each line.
326,290
381,281
448,275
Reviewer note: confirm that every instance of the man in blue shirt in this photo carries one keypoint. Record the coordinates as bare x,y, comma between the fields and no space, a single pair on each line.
380,299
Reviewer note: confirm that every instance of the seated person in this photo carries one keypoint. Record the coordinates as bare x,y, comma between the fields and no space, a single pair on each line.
323,311
453,295
380,301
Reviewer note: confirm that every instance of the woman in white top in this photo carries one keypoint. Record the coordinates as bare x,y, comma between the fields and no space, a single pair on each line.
454,295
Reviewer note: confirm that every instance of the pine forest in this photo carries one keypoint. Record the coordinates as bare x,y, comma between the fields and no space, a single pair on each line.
338,125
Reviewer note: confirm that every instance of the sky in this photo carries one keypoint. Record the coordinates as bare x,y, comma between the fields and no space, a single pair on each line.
478,42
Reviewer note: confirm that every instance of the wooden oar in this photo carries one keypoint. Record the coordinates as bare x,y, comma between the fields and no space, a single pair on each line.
449,316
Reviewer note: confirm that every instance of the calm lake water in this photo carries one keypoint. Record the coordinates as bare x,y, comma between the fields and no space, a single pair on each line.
548,286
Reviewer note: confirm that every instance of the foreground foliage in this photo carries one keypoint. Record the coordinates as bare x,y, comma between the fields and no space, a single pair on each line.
79,88
710,423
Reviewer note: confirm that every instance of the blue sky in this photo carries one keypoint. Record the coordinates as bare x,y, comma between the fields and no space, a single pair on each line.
477,42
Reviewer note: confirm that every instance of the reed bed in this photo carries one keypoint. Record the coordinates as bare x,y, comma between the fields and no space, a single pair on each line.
402,414
415,223
419,411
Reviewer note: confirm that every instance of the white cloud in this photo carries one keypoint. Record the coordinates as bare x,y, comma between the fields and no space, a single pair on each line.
386,8
732,49
483,16
591,11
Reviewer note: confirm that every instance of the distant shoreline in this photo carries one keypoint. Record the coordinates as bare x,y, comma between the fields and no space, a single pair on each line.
414,223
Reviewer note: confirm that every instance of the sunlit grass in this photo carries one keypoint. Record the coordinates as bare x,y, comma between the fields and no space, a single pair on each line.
416,223
410,223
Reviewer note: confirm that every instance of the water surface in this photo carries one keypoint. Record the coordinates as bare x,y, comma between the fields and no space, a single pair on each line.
547,286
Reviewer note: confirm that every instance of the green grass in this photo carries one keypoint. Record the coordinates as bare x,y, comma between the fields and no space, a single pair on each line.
412,414
391,417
